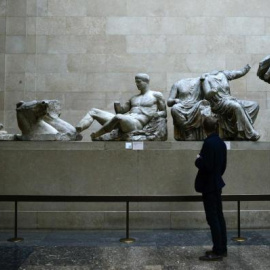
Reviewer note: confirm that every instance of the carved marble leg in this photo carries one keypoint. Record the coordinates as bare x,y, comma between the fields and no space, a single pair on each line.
94,114
126,123
85,123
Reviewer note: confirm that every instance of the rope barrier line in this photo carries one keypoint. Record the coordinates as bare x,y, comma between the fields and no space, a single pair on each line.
127,200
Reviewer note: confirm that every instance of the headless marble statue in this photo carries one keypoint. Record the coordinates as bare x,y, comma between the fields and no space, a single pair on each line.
189,108
39,120
236,117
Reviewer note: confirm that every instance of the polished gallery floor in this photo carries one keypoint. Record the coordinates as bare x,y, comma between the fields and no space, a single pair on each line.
153,250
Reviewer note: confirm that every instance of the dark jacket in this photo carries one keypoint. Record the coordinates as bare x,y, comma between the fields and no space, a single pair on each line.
211,164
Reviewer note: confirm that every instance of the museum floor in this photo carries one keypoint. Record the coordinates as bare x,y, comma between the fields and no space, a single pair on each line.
153,250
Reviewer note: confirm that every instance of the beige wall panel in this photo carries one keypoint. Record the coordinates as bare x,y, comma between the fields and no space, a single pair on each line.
50,26
30,63
85,25
31,44
2,83
16,26
186,44
126,26
103,44
15,63
111,83
31,25
11,99
62,45
146,44
2,63
71,82
267,26
2,104
15,82
225,44
67,8
86,63
30,86
257,44
245,26
255,84
145,26
205,25
3,8
2,44
49,63
205,62
15,44
16,8
84,101
106,8
31,7
2,25
42,8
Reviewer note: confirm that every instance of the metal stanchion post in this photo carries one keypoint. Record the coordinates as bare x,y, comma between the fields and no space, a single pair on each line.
16,238
238,238
127,240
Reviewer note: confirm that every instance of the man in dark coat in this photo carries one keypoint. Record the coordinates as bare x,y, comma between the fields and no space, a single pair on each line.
211,163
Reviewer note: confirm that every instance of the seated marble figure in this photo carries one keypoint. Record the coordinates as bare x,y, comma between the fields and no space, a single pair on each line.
142,117
193,99
236,117
188,109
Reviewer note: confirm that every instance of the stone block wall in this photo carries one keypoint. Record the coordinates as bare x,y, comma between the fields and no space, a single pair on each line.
86,52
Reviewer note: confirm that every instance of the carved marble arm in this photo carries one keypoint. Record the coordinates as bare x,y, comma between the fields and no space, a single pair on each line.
162,112
236,74
121,109
172,97
208,91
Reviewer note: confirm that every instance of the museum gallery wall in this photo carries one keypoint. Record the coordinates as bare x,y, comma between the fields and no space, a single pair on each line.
86,53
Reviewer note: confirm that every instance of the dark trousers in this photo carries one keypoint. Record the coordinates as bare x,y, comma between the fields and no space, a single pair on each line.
214,216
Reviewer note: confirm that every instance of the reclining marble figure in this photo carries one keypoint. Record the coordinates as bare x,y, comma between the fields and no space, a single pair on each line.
188,109
39,120
236,117
264,69
143,117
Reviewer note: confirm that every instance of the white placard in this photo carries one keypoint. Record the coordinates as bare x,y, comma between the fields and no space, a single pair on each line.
137,145
228,144
129,145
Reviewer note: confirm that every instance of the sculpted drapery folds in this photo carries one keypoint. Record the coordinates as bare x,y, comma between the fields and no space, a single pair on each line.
194,99
236,117
188,109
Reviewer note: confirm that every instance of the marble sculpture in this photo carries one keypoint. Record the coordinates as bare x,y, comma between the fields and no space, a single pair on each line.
40,120
193,99
142,117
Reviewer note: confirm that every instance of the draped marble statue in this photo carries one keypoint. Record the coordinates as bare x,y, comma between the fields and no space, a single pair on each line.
188,109
264,69
236,117
195,98
143,117
40,120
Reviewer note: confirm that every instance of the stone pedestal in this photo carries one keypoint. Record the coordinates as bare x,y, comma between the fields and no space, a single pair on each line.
108,168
